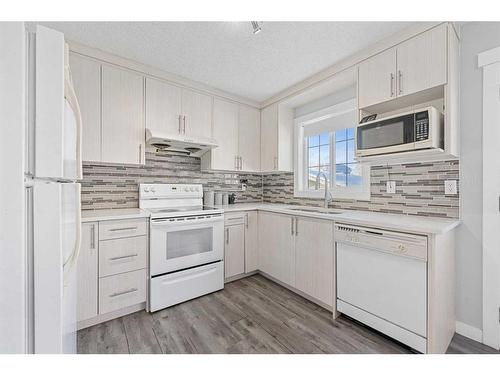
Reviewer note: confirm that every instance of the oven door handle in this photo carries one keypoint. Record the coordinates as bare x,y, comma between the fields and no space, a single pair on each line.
186,222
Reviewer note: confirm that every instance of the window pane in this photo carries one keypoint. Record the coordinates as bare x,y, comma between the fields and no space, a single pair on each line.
313,156
350,133
340,174
313,141
350,151
324,155
340,135
340,152
354,177
313,172
324,139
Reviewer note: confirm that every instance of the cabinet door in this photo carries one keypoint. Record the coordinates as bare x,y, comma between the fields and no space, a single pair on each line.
377,79
249,138
87,284
122,116
163,107
422,61
197,109
275,246
86,74
269,138
225,131
251,242
234,250
314,258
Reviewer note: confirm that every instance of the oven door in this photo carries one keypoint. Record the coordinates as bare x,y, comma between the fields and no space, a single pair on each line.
184,242
396,134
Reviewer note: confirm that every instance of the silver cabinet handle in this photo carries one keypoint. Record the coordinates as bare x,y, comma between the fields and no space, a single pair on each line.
246,220
120,229
392,85
140,153
124,257
92,237
124,292
275,163
236,162
241,163
291,226
227,236
400,83
184,127
180,124
296,226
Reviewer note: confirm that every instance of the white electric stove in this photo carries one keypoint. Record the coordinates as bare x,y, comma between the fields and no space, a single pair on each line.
186,243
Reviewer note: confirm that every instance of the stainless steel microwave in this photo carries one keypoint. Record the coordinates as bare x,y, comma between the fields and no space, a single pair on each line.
408,131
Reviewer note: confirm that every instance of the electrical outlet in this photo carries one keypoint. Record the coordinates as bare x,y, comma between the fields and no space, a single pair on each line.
391,187
450,187
243,187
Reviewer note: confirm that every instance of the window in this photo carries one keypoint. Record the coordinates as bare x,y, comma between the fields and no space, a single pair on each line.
325,143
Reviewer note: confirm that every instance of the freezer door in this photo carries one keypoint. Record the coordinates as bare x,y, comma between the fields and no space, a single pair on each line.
57,113
56,239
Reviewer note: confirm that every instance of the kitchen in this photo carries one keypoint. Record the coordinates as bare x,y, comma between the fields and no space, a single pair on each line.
326,215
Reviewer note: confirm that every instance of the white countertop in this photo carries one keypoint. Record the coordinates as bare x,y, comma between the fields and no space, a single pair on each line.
113,214
405,223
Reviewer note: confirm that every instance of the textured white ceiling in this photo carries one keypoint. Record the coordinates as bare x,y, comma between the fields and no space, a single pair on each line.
227,55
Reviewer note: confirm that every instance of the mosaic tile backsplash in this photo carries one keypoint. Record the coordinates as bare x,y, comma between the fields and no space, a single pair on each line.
419,190
116,186
420,186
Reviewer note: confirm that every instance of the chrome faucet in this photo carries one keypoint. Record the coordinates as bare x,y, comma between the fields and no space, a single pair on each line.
328,195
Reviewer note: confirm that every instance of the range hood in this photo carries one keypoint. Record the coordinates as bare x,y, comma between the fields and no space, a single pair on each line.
179,143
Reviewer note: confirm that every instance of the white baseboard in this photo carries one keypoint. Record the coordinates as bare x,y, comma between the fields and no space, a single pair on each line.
468,331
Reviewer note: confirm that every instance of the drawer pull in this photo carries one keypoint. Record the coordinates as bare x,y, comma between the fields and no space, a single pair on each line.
120,229
124,257
125,292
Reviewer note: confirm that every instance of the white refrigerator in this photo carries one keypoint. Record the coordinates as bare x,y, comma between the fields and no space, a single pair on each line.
53,214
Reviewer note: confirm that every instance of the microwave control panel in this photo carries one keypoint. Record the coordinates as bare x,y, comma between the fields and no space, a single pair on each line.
421,126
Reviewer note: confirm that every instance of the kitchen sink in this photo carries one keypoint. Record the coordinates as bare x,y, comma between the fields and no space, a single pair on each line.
317,211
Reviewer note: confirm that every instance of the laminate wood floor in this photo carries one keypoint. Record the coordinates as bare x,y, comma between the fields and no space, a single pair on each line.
251,315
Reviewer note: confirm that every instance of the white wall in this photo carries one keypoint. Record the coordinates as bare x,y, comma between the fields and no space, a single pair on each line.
12,254
476,37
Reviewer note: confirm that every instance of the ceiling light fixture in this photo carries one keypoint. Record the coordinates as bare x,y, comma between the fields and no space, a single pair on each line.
256,27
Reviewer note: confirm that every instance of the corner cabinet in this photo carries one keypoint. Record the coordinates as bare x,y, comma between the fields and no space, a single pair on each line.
276,139
112,105
236,128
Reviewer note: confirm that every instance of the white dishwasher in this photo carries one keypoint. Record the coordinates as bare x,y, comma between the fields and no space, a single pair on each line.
382,281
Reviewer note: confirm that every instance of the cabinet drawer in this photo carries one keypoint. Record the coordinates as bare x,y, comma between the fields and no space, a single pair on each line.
234,218
122,255
109,230
123,290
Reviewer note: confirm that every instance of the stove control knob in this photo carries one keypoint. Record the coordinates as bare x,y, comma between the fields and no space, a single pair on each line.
153,190
186,189
146,190
191,188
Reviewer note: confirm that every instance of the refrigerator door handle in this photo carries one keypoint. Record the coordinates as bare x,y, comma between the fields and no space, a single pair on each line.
70,95
72,260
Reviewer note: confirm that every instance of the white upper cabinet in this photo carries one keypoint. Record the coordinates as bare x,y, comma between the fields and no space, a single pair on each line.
276,138
122,116
269,138
163,107
422,61
377,79
249,138
225,131
197,114
86,74
410,67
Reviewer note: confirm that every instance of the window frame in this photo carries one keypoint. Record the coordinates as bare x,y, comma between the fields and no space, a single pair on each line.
301,156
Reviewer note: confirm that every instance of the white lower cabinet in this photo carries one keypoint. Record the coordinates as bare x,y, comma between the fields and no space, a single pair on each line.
298,251
240,244
234,250
276,246
314,249
112,269
87,272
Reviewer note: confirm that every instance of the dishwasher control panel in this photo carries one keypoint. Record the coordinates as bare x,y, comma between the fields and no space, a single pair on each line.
398,243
